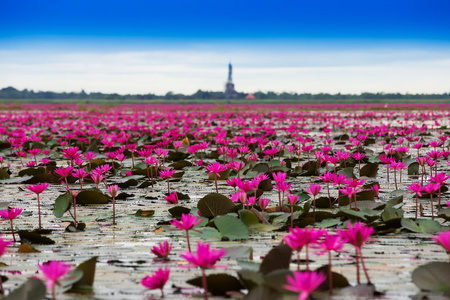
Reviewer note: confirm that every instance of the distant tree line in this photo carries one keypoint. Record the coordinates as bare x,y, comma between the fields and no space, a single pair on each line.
12,93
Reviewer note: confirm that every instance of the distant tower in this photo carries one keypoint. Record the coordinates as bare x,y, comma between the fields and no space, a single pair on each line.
229,87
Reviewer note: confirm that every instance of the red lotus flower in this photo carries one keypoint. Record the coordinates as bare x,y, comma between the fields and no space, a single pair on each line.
443,239
162,250
205,257
172,198
187,223
11,215
38,189
157,280
53,271
304,283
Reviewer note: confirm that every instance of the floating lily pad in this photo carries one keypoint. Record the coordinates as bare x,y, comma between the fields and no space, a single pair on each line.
369,170
277,258
86,282
413,168
144,213
71,227
207,233
347,172
231,227
92,196
62,204
34,238
128,183
123,196
32,289
218,284
248,217
43,177
177,211
422,225
223,175
4,173
265,185
215,205
261,168
433,276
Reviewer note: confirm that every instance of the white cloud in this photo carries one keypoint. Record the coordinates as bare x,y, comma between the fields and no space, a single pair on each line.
185,71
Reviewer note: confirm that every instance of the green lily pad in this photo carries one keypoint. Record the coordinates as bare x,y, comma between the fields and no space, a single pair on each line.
62,203
413,168
394,201
250,278
4,174
421,225
86,282
261,168
433,276
144,213
71,227
275,280
43,177
223,175
218,284
348,172
391,213
265,185
239,252
231,227
369,170
177,211
277,258
34,238
32,289
215,205
92,196
207,233
248,218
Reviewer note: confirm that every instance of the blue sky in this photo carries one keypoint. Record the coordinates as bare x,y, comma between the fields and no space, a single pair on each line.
181,46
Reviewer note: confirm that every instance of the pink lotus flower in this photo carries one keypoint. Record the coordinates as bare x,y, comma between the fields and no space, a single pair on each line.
279,176
314,190
416,188
3,249
64,173
167,174
303,237
432,188
216,168
304,283
172,198
330,243
205,257
292,199
157,280
162,250
38,189
357,235
187,223
80,174
10,215
443,239
113,190
3,245
53,271
97,178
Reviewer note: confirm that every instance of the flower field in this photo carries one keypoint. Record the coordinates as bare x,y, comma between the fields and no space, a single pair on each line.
214,201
